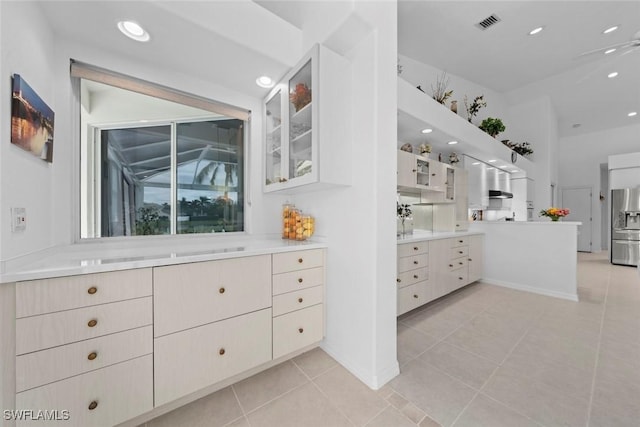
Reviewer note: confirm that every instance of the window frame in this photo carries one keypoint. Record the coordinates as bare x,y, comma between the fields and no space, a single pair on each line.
81,71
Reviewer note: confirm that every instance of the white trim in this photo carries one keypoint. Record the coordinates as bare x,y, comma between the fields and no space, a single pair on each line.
521,287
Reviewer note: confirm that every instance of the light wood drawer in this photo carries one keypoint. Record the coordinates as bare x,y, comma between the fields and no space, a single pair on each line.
58,363
459,252
459,263
190,360
459,241
190,295
413,296
50,330
293,261
414,276
416,248
121,392
297,300
459,278
412,262
64,293
287,282
298,329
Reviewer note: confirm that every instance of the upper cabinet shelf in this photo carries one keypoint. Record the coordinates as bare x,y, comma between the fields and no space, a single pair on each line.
417,110
309,106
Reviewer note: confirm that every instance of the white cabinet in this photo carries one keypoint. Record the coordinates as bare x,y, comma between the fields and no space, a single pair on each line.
417,173
476,257
84,344
462,199
298,300
307,143
428,270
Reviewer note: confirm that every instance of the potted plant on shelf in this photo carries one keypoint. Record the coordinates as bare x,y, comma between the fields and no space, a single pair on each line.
440,92
300,97
404,212
492,126
476,105
522,148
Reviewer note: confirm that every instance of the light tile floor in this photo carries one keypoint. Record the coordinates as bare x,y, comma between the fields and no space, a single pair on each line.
483,356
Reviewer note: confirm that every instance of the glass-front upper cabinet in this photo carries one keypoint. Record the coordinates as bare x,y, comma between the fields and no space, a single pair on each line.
273,149
306,127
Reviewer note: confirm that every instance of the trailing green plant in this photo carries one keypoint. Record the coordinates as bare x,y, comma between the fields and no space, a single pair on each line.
492,126
440,92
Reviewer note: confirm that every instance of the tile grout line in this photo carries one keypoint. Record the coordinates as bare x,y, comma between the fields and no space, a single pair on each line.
595,368
479,391
238,400
377,413
331,403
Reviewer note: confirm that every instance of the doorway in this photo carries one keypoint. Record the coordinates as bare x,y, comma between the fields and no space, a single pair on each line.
579,201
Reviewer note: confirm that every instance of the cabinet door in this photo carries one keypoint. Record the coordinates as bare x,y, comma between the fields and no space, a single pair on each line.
406,169
301,163
439,267
462,199
476,257
274,137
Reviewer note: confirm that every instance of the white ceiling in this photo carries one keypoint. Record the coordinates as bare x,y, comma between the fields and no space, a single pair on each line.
506,59
230,43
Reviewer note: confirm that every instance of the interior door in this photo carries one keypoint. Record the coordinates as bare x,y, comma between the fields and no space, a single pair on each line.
578,201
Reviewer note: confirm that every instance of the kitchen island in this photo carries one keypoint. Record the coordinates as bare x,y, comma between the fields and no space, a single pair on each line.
534,256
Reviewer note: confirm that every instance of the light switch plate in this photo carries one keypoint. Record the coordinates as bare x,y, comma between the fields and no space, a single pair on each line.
18,220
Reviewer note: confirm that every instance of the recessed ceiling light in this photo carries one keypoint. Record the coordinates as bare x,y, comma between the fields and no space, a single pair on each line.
608,51
490,169
612,75
492,161
427,130
610,29
514,170
633,113
475,163
452,142
265,81
504,166
535,31
134,31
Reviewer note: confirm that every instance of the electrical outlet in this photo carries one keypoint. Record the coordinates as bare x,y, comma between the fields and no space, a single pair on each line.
18,220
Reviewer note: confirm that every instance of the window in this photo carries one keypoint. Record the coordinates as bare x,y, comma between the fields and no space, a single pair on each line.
150,166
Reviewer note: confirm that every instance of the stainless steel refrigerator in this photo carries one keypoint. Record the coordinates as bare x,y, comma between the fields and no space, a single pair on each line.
625,226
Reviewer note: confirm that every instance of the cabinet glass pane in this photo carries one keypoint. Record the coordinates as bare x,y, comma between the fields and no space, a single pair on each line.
273,170
300,124
422,172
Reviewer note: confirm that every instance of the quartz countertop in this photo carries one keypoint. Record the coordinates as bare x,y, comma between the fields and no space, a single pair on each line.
102,256
554,223
421,235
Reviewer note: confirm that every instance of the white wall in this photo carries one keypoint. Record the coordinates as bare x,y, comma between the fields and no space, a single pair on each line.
579,159
26,181
358,221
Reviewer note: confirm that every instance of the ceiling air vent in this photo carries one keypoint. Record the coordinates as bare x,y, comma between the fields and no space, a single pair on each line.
488,22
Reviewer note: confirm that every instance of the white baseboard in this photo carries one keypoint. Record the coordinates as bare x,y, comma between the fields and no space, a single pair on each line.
521,287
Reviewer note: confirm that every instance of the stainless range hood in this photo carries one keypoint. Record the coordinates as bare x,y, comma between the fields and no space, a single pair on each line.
499,194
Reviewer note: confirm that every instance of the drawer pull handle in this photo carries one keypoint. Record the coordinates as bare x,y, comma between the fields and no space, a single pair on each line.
398,280
470,259
92,290
415,262
299,279
433,174
450,265
461,263
414,170
221,290
92,355
300,260
415,248
300,330
300,300
93,405
92,323
460,241
415,276
460,252
415,296
460,278
221,352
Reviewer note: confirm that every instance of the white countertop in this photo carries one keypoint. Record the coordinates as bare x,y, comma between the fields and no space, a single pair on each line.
554,223
421,235
101,256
